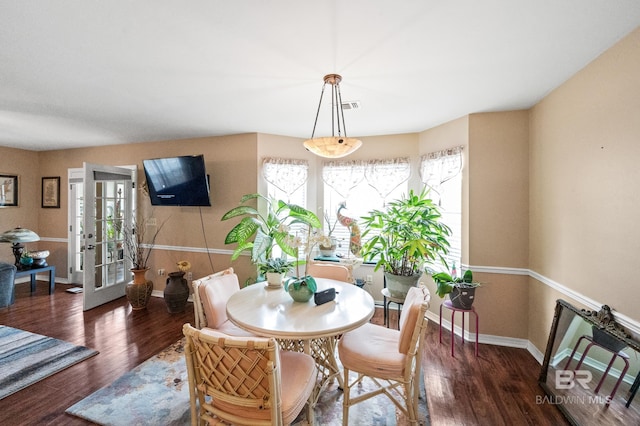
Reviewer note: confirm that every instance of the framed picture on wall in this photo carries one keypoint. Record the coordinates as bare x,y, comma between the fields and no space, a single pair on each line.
51,192
8,190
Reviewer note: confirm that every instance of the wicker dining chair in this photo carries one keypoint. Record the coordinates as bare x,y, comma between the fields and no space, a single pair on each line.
246,381
389,358
210,296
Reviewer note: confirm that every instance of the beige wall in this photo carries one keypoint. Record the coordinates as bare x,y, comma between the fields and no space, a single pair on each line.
498,189
23,164
584,152
231,162
494,212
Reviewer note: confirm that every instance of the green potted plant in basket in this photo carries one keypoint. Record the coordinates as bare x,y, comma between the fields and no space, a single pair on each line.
461,290
405,238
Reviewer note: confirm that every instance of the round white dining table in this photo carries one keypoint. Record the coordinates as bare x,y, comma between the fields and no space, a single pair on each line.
271,312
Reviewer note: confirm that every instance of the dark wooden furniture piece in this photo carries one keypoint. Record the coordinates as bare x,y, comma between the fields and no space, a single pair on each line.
31,273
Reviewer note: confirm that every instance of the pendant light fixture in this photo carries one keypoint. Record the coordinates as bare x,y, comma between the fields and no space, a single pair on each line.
332,146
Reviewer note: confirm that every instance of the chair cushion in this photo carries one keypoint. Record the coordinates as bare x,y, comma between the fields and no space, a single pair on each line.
214,295
410,312
298,374
297,378
373,351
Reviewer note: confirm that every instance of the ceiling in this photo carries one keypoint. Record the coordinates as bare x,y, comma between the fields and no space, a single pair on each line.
80,73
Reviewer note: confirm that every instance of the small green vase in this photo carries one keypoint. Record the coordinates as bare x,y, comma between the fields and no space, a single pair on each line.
302,294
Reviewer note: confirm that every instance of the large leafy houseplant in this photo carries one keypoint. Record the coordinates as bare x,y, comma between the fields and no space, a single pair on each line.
406,237
260,232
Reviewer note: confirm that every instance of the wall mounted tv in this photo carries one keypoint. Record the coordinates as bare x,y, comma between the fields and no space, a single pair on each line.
177,181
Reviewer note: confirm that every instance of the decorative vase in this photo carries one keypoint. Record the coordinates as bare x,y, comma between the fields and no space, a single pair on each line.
462,297
275,279
301,294
26,262
39,258
176,292
399,285
329,251
139,290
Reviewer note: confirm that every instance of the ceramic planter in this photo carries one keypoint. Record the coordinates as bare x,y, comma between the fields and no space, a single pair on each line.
399,285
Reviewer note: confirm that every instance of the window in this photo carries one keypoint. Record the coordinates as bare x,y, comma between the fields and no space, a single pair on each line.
441,172
286,180
360,187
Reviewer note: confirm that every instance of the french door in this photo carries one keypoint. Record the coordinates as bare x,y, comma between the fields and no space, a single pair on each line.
103,207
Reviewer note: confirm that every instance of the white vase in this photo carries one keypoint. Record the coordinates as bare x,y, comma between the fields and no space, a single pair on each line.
329,251
274,279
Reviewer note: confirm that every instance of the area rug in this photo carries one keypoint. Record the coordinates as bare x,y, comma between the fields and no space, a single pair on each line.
156,392
26,358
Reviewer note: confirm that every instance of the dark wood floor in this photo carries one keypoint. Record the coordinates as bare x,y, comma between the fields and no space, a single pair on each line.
497,388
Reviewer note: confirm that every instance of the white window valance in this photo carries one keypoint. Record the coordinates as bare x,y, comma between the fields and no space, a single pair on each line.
438,167
285,174
343,176
383,175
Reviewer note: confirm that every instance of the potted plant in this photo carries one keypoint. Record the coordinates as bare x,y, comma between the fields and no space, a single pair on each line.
25,259
275,269
329,250
461,290
138,248
302,287
404,239
260,232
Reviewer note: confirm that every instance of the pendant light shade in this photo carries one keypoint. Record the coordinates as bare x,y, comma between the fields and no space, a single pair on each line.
332,146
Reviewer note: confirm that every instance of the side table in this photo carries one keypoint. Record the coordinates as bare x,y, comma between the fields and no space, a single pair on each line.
32,275
389,299
447,304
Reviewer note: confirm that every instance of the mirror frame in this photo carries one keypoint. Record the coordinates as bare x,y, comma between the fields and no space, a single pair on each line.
602,319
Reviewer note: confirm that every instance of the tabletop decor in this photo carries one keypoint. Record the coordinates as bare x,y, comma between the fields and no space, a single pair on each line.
330,249
275,269
302,287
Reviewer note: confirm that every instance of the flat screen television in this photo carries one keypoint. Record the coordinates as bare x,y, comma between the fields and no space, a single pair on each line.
177,181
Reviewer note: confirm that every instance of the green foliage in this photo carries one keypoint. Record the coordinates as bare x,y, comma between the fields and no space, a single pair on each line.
260,232
277,265
445,282
411,235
